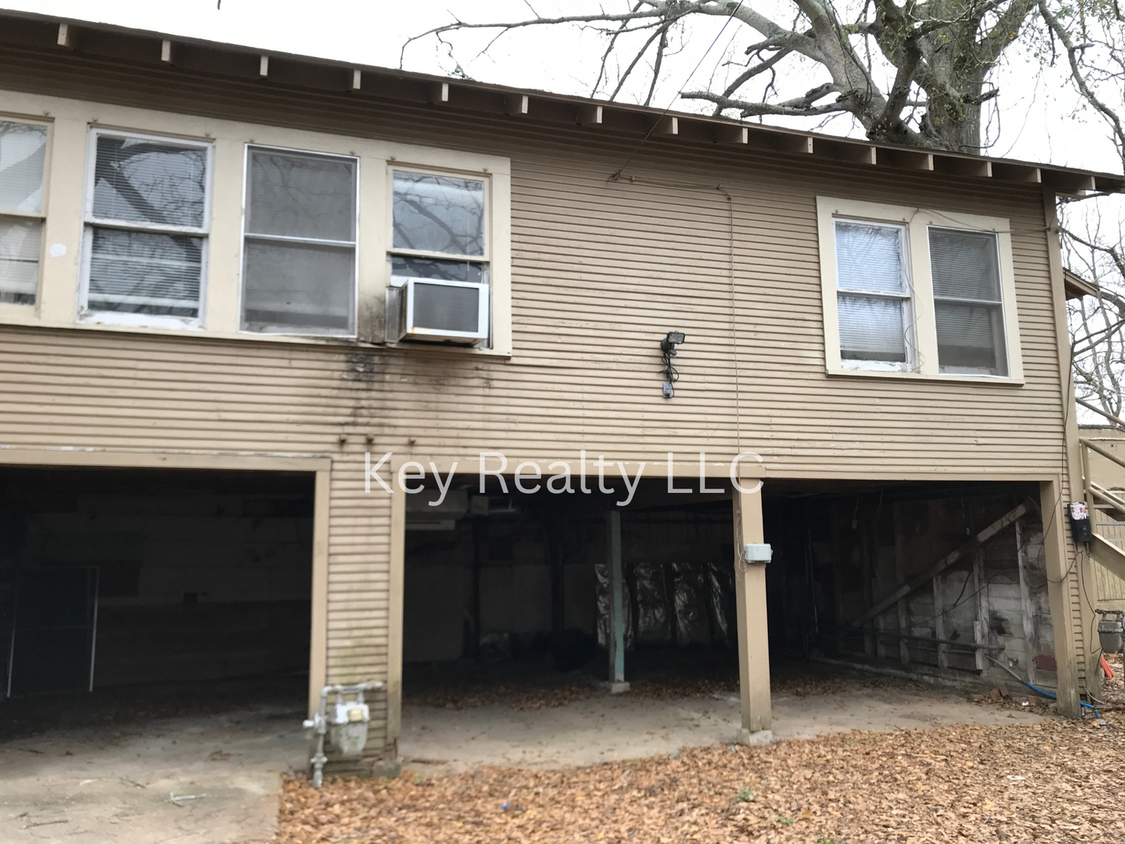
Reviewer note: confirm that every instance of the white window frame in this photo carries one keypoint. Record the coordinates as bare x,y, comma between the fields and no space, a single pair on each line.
89,222
40,215
285,330
486,259
917,222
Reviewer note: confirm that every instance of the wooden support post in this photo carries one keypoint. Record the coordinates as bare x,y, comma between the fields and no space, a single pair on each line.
903,608
318,637
871,646
753,630
939,621
616,641
395,612
980,621
1030,640
1059,586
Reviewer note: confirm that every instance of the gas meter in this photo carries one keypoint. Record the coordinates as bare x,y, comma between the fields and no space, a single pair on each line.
1111,631
344,723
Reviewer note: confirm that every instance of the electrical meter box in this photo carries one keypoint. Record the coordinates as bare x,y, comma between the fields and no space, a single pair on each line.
1080,525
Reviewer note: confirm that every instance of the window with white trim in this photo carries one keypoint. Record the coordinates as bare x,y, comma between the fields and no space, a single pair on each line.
299,265
917,291
23,153
148,209
439,256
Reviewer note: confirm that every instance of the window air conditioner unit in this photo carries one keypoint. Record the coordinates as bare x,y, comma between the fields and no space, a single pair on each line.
433,309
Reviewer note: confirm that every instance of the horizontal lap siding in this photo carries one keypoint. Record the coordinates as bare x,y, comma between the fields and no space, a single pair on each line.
600,271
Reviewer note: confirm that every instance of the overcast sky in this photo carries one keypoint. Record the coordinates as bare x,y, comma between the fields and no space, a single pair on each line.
1034,123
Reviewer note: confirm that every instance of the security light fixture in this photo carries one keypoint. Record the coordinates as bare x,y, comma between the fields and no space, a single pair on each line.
668,347
671,340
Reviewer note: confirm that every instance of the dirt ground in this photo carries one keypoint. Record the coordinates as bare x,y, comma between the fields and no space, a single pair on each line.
601,728
1013,778
188,768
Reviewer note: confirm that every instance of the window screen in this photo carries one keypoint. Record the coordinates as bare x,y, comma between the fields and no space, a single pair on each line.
299,254
967,302
873,292
23,150
146,226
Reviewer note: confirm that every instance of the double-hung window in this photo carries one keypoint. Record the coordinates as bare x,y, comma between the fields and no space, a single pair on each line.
147,221
439,255
299,243
23,151
873,299
924,292
968,302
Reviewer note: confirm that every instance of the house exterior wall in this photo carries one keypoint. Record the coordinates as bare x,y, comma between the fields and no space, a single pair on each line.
719,243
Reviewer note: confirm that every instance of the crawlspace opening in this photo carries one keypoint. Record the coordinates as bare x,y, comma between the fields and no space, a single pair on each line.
507,594
138,580
944,580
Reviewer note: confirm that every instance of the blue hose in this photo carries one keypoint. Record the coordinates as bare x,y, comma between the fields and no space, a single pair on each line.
1054,697
1039,690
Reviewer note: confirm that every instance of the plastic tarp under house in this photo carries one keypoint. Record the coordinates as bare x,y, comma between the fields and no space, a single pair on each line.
676,603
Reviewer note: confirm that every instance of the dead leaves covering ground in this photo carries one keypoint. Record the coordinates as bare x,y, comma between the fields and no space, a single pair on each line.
1049,782
547,689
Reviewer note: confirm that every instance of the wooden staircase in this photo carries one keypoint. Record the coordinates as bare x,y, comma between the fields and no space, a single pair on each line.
1104,503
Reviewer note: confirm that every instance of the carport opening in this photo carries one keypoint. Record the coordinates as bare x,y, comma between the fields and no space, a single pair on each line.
509,594
939,581
872,588
134,582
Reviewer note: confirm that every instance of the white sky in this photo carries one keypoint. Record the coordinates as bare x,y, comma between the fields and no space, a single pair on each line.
1034,122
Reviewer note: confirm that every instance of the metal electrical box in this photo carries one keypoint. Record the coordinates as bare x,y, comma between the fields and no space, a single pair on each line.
757,553
1080,526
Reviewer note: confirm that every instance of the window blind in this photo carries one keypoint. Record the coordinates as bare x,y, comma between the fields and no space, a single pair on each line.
873,293
146,231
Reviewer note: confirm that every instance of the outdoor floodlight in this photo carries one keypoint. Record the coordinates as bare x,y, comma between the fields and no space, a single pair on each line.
671,340
668,347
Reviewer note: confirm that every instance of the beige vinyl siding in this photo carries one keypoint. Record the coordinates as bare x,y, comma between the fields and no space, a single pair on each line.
600,271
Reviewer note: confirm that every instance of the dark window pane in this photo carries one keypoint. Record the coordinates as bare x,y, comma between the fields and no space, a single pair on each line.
965,265
298,287
438,214
471,271
142,181
970,339
301,195
145,273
